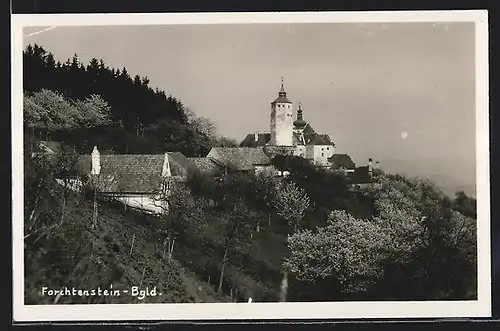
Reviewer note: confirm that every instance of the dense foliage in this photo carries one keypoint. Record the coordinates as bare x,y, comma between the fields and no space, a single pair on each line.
415,245
94,104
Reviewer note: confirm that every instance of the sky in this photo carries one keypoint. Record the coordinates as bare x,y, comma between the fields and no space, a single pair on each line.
400,93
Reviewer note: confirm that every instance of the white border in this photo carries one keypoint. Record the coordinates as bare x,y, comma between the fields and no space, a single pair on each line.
269,311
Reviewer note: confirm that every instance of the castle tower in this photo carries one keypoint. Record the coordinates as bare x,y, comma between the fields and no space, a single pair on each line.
281,120
299,123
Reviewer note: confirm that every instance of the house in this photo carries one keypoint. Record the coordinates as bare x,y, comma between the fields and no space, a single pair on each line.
137,180
242,159
207,165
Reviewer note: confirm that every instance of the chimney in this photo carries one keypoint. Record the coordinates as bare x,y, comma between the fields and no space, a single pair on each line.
256,137
165,171
377,165
96,162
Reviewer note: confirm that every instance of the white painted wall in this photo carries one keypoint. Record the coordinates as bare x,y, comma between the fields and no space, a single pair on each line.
143,202
282,125
300,150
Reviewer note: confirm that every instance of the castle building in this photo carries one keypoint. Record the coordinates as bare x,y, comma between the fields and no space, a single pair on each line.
287,132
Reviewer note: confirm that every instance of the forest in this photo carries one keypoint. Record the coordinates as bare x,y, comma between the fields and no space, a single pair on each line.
309,236
137,118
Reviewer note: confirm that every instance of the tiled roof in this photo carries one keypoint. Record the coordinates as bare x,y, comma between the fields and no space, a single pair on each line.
205,164
179,164
327,139
242,158
341,161
314,139
308,129
135,173
281,99
262,139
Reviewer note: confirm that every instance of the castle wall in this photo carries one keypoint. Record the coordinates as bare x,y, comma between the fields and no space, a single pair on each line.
319,154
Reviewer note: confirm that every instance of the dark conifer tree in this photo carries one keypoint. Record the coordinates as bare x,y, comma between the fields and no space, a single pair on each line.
139,111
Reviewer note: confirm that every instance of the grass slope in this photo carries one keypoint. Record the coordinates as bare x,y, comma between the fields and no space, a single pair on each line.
75,255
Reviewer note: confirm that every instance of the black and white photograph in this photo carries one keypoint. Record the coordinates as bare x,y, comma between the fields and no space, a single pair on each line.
288,165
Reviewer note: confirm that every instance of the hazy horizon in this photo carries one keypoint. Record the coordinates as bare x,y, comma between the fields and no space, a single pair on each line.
363,84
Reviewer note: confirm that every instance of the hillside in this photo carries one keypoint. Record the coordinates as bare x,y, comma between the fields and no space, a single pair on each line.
75,255
126,247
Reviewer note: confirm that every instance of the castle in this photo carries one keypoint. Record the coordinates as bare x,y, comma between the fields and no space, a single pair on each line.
297,135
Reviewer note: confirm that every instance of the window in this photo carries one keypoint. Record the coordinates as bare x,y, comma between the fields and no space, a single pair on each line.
322,149
328,148
322,154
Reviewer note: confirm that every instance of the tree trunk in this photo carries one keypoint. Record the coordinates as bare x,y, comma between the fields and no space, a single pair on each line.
284,287
33,140
171,251
63,206
32,219
222,269
132,245
142,277
32,214
94,216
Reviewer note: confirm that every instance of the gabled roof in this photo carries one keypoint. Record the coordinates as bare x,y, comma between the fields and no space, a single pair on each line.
241,158
327,139
341,161
314,139
308,129
179,164
135,173
262,139
206,165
